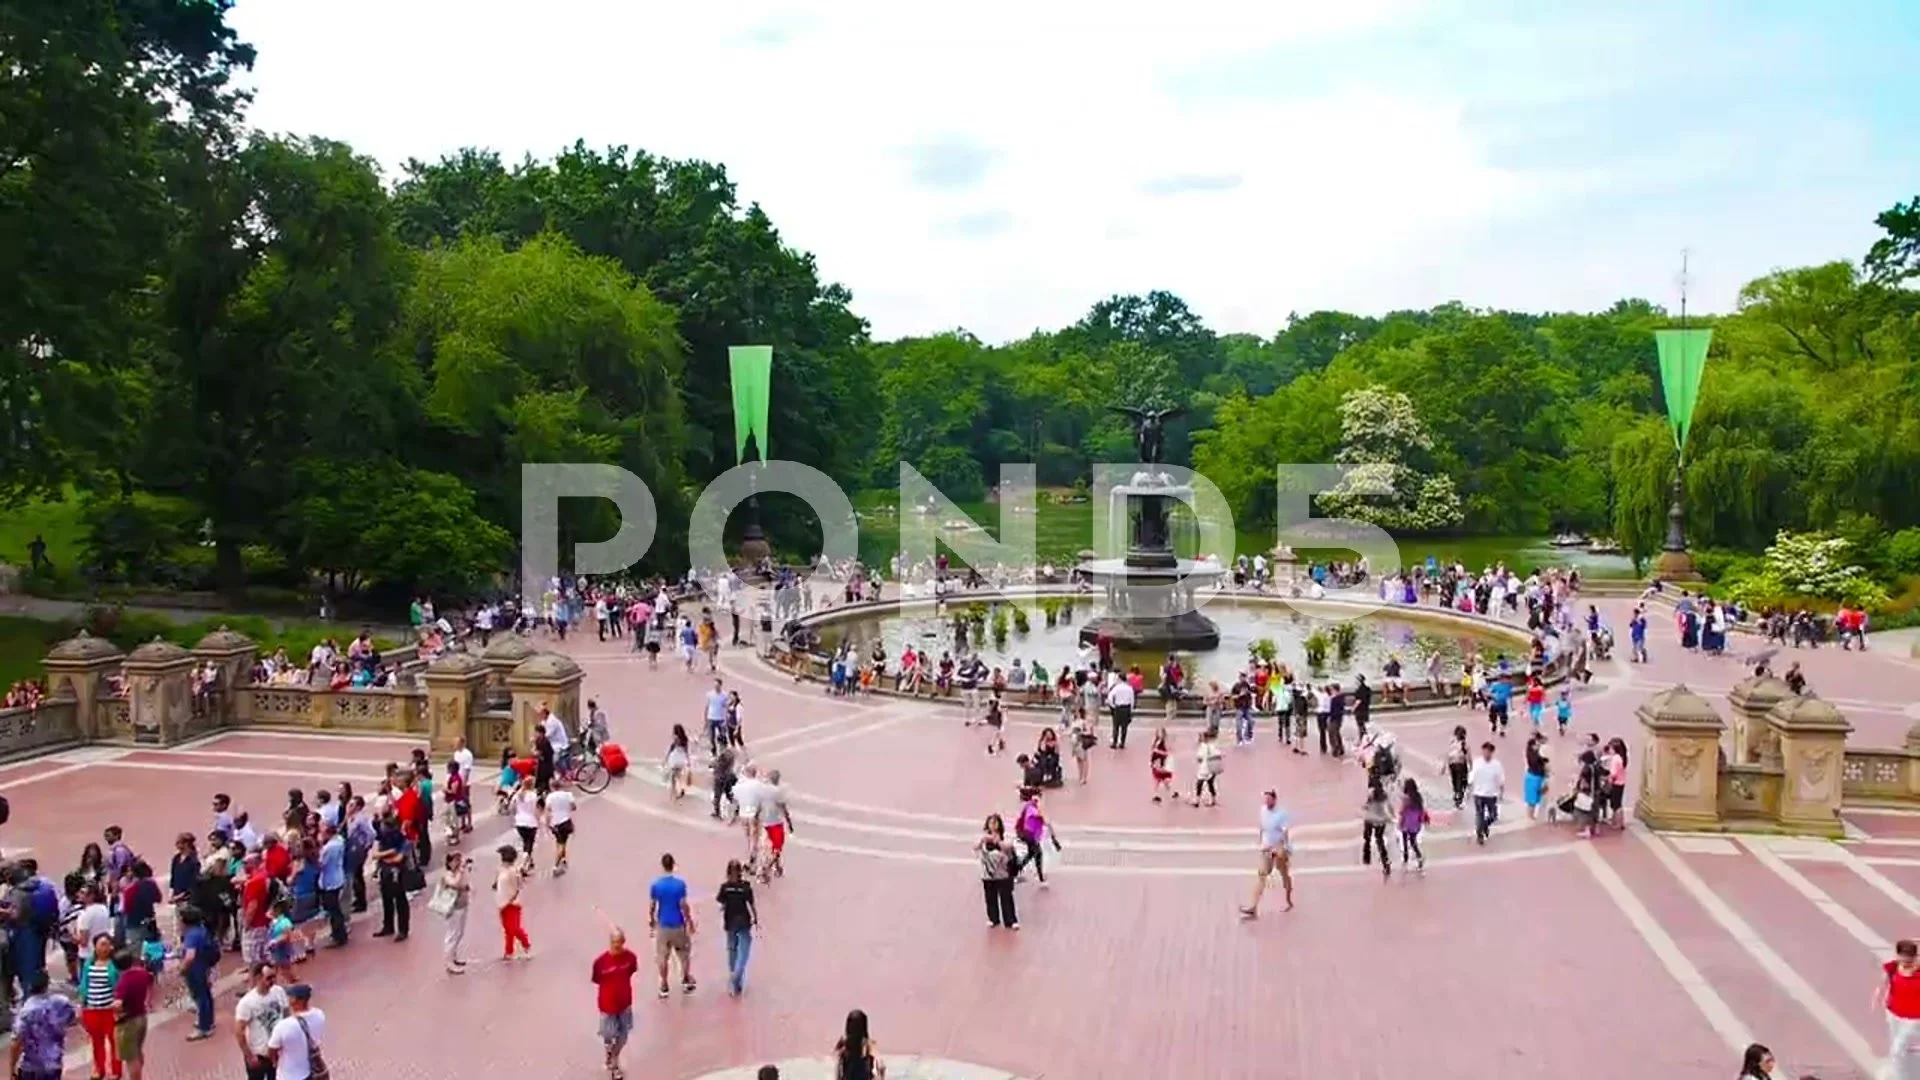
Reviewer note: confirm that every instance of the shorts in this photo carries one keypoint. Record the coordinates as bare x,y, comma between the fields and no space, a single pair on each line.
130,1038
776,838
670,941
1536,786
615,1027
562,832
1272,859
253,943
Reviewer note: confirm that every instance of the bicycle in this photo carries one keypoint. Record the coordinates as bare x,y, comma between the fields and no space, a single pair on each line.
585,772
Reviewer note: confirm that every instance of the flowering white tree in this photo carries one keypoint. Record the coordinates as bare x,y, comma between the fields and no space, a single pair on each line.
1378,430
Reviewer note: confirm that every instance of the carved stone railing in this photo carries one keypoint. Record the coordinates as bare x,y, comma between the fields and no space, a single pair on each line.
400,711
1750,793
26,731
114,718
1882,774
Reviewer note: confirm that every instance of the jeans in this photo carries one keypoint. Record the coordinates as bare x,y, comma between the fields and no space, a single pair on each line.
1373,837
1903,1035
999,893
1485,809
200,985
1457,773
739,947
1243,726
1034,857
357,878
336,917
1410,847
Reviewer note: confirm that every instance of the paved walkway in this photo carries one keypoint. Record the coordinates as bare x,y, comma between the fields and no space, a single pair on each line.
1527,956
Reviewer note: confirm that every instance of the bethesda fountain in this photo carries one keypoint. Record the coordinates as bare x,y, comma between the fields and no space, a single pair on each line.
1150,592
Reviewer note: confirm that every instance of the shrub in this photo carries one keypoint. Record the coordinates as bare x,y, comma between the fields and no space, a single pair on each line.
1317,645
1020,624
1263,649
1344,635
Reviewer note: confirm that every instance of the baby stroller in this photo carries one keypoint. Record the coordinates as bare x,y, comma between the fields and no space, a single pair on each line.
1603,643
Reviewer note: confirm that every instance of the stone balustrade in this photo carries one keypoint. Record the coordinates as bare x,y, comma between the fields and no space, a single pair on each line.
490,700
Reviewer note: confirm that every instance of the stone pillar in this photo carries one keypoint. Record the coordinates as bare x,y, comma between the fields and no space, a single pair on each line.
1679,761
1753,738
77,668
506,652
160,683
548,679
1813,747
232,655
454,685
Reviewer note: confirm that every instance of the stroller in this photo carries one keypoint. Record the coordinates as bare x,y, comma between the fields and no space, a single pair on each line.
1603,643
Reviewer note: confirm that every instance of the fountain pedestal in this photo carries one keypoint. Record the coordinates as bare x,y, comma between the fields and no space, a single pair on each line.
1150,593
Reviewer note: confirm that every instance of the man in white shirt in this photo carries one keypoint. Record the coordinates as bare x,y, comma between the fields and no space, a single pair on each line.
1120,700
560,808
1486,781
1276,852
750,793
297,1036
463,757
556,730
259,1011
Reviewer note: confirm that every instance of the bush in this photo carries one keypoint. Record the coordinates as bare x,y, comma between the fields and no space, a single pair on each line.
999,626
1263,649
1317,645
1903,552
1344,635
1020,624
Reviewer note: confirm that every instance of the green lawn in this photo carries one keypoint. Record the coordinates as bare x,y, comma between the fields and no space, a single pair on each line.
58,523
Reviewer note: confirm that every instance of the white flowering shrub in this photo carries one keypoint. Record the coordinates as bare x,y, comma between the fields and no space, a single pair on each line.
1378,428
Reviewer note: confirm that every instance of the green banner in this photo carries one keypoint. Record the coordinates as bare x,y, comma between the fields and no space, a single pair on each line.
752,370
1683,358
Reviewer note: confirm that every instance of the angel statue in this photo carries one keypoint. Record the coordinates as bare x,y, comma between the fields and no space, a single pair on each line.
1149,429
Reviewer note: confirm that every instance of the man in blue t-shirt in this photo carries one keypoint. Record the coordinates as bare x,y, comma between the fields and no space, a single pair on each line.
1637,630
201,953
1499,694
670,920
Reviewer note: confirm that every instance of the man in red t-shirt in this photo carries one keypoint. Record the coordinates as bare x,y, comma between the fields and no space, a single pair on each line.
1901,995
275,857
406,806
256,904
613,973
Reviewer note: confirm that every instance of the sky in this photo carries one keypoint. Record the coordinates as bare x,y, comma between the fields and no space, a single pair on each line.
1000,166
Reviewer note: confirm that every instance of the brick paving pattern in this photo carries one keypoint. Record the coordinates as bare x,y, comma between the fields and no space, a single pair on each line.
1530,956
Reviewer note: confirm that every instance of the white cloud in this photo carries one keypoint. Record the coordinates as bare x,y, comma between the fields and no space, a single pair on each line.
1055,128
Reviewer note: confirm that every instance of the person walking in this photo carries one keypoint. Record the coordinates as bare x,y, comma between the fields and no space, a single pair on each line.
456,886
739,917
1031,827
613,973
1899,995
1156,766
670,920
1757,1063
133,992
294,1043
1486,781
1413,818
1535,786
507,887
776,817
998,865
1375,814
559,809
1276,853
1120,701
1459,762
1206,769
856,1056
1322,704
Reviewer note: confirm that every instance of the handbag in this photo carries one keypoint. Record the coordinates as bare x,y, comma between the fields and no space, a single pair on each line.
412,878
316,1065
443,900
1583,801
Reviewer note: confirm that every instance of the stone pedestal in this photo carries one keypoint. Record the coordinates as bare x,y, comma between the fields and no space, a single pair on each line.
160,685
455,685
1813,745
1675,566
232,655
544,679
77,668
1752,699
1679,761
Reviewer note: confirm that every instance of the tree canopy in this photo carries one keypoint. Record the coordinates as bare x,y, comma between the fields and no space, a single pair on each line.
266,350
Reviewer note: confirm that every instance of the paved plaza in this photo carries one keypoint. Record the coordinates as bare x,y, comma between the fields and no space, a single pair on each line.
1537,955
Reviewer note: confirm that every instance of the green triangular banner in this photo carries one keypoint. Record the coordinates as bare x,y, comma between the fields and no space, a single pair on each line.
1683,359
752,371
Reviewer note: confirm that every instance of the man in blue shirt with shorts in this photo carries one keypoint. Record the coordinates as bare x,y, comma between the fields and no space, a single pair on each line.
670,920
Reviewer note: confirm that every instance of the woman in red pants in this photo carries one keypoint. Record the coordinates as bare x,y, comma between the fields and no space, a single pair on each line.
99,1012
507,894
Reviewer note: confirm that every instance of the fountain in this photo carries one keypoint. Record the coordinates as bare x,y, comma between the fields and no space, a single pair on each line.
1150,592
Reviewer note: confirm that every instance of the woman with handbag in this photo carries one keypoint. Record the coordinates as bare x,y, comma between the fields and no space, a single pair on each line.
452,897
